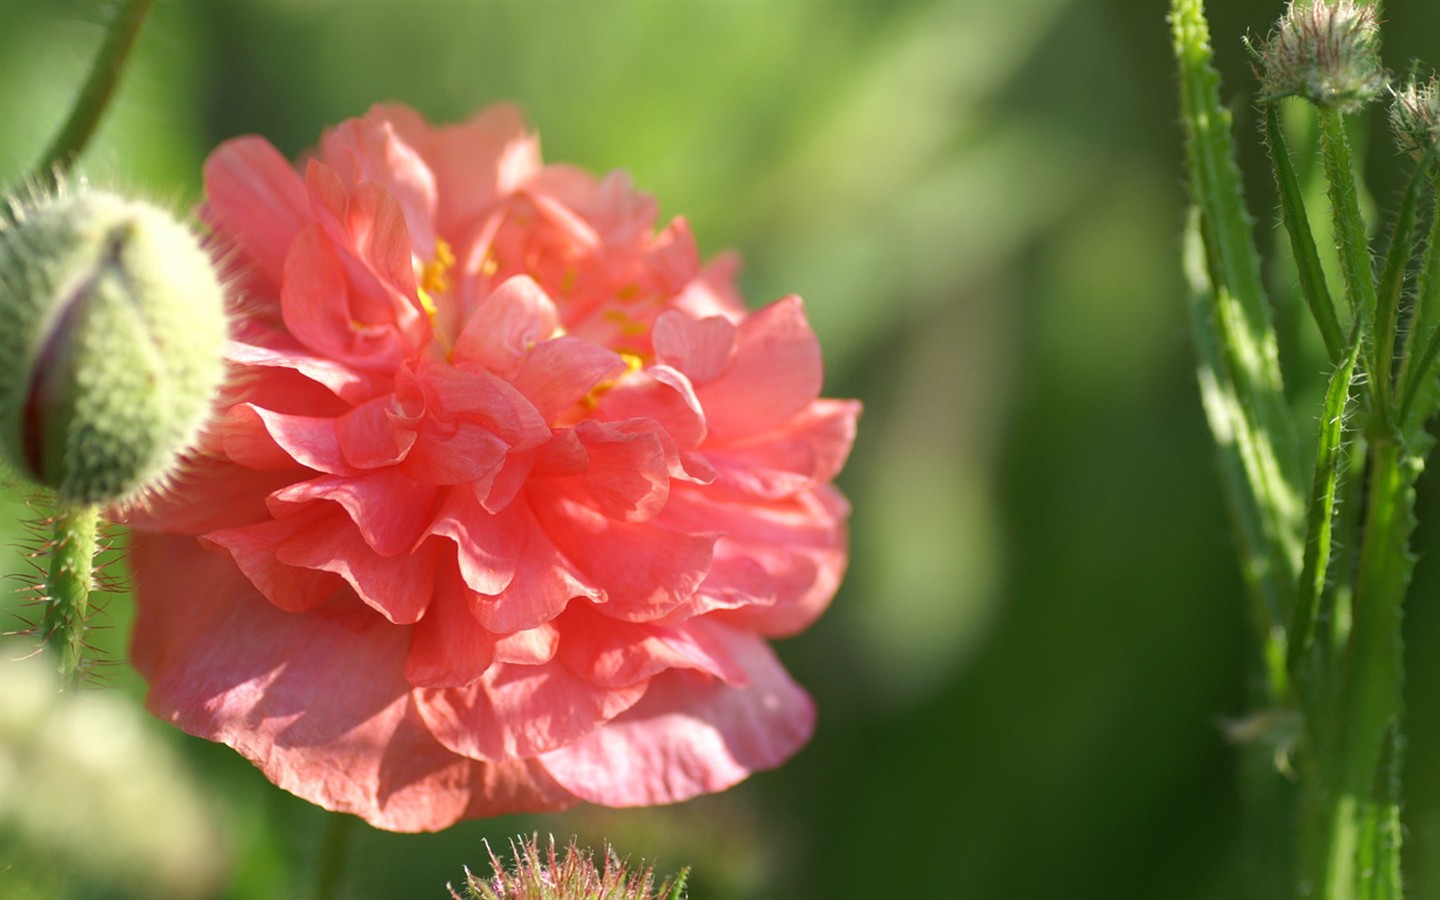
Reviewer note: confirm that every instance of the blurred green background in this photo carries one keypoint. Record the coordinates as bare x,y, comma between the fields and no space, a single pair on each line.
1021,682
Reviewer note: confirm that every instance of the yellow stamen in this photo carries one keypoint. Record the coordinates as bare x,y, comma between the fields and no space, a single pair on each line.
435,277
627,325
633,363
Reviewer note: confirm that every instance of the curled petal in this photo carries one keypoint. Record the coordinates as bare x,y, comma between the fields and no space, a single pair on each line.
256,199
560,373
544,583
260,438
646,569
520,711
391,511
808,450
506,326
662,394
626,471
291,588
316,701
372,435
449,647
800,543
488,547
399,588
774,374
701,348
610,653
691,734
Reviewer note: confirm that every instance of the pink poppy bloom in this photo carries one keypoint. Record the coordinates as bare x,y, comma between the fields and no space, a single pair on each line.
506,496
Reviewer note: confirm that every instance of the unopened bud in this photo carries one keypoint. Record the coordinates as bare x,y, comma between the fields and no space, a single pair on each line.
112,330
1415,117
1327,51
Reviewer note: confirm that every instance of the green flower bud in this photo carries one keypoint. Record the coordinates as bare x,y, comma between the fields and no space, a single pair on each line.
1327,51
1415,117
112,330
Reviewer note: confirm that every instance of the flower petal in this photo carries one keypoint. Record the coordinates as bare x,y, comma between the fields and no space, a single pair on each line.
626,474
646,569
252,547
559,373
800,543
808,450
399,588
488,547
391,510
502,330
448,647
701,348
316,701
544,584
519,711
256,200
260,438
774,374
691,734
610,653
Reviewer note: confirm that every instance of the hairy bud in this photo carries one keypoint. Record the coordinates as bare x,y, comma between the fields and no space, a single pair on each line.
112,330
1327,51
1415,117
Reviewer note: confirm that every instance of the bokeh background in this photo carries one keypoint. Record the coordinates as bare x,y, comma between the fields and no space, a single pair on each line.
1022,683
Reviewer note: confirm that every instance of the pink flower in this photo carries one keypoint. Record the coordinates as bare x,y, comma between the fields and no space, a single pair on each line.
507,495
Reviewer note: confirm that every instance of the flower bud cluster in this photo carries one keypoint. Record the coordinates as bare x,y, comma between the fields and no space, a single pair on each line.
112,330
1327,51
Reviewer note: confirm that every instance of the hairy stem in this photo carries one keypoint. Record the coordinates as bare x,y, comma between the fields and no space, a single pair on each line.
67,587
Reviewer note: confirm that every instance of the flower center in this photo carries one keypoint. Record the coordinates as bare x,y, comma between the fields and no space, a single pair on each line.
432,281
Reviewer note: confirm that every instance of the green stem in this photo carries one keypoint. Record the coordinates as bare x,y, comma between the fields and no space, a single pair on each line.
1392,278
67,587
1302,241
334,854
1420,358
96,94
1360,800
1308,658
1354,250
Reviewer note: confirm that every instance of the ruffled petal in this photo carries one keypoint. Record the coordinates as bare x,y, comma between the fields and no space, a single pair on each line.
626,470
662,394
391,511
559,373
448,647
701,348
691,734
506,326
260,438
252,547
544,583
610,653
257,201
646,569
372,435
399,588
800,543
317,701
488,547
520,711
774,374
808,450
